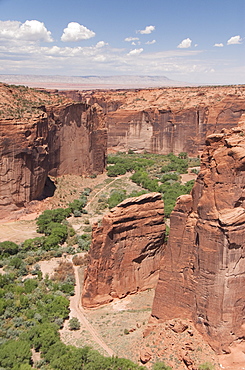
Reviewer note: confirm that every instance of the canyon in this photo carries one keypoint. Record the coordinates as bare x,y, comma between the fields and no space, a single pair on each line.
50,138
203,269
199,274
165,120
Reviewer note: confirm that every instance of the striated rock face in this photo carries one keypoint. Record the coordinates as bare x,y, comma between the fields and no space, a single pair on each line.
168,119
203,272
63,139
126,250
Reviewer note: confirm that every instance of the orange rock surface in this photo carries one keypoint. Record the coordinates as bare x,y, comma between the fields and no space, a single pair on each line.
126,250
164,120
43,135
203,273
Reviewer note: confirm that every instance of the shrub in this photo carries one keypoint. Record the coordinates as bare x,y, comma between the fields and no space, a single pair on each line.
48,216
77,213
117,169
206,366
169,176
161,366
8,248
78,204
74,324
33,244
116,197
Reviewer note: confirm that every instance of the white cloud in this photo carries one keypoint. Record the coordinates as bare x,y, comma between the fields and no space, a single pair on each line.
101,44
234,40
133,43
150,42
29,31
219,45
135,51
76,32
129,39
186,43
147,30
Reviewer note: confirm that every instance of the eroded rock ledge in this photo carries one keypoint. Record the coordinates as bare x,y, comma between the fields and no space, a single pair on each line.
64,139
126,250
203,270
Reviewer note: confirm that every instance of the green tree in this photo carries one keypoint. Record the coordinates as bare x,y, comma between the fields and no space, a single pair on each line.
8,249
14,353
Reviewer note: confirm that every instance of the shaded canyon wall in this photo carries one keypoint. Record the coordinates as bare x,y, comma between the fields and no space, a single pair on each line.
68,139
203,269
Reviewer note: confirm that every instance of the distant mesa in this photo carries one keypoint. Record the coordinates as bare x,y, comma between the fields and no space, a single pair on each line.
90,82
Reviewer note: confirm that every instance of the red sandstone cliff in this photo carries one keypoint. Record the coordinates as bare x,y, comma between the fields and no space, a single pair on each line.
203,273
126,250
58,138
167,120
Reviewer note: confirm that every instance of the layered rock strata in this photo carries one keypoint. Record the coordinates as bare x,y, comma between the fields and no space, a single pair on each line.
203,270
63,139
126,250
168,119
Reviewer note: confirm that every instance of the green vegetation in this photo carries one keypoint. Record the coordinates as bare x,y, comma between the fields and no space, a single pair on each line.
149,171
161,366
23,102
117,196
74,324
206,366
32,310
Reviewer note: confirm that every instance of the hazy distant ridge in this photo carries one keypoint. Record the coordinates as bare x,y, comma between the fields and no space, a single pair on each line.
90,82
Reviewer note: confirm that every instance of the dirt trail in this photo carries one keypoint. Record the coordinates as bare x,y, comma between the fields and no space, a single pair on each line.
76,310
104,187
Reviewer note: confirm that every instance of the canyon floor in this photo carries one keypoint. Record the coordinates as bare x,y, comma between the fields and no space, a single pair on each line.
121,324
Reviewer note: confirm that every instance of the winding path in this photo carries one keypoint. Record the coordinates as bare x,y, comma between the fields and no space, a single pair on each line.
76,310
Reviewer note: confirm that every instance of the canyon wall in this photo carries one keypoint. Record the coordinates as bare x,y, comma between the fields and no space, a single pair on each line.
168,119
203,269
126,250
63,139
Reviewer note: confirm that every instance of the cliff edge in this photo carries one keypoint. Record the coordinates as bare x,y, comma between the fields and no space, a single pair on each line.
203,269
126,250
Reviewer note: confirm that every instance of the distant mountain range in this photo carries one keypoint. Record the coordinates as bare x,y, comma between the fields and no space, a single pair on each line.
90,82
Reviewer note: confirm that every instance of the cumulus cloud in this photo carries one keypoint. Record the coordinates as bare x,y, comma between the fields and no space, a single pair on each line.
219,45
101,44
147,30
28,31
150,42
76,32
234,40
135,51
186,43
129,39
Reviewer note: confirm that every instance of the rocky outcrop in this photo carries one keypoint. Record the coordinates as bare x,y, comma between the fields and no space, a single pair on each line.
203,271
169,119
126,250
63,139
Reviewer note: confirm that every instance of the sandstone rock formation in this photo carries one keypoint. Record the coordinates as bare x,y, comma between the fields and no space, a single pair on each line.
126,250
168,119
203,269
68,138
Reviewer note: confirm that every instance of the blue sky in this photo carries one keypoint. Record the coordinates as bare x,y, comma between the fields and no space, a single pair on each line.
196,41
